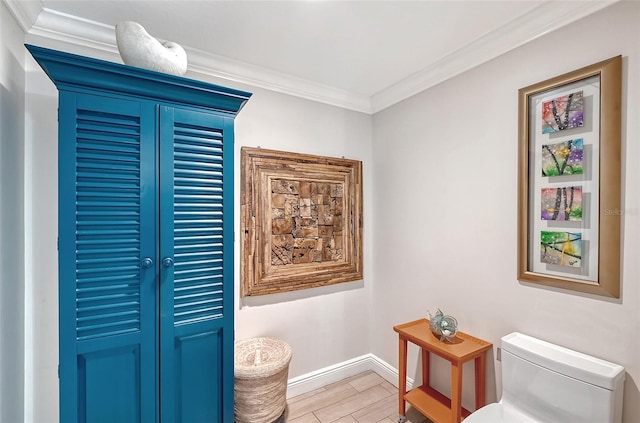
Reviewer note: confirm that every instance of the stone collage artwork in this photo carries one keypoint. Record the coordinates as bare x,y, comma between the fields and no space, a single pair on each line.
306,222
561,159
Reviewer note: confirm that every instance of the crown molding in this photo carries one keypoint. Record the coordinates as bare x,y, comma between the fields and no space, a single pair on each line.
85,36
206,63
69,29
543,19
93,38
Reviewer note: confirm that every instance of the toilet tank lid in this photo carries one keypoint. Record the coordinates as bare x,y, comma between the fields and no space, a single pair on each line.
565,361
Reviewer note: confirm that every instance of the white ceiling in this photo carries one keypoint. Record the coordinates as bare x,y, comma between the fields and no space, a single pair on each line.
362,55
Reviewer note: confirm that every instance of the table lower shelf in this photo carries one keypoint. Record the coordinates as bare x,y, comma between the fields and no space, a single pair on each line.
432,404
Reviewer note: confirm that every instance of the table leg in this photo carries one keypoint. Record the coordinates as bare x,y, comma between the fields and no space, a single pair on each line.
456,392
402,376
481,370
425,367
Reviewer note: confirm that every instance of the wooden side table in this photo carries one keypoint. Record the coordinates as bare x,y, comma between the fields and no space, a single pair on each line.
427,400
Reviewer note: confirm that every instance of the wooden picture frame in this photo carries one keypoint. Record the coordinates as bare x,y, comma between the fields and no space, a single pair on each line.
301,221
569,180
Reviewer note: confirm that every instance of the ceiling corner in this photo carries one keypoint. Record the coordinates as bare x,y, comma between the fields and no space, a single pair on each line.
25,12
543,19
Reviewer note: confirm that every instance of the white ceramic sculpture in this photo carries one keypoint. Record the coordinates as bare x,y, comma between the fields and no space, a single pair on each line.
138,48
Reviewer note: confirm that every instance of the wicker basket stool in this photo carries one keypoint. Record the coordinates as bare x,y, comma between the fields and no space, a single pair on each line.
261,371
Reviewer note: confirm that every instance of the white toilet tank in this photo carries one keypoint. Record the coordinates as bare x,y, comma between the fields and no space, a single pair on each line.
553,384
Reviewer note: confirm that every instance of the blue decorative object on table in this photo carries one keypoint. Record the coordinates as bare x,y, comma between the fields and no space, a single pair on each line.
443,326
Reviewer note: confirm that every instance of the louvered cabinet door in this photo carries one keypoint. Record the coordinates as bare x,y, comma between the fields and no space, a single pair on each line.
107,239
196,277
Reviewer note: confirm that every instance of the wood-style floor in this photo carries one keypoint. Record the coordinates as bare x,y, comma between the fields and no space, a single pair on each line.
364,398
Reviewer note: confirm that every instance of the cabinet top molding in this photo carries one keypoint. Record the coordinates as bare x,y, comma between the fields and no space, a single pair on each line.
71,71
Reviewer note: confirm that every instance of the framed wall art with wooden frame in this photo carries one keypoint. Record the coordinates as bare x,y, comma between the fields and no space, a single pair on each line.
301,221
569,204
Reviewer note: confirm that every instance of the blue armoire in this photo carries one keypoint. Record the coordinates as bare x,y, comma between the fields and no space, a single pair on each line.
145,243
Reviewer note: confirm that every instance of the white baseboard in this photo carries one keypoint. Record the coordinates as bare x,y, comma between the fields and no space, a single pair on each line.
317,379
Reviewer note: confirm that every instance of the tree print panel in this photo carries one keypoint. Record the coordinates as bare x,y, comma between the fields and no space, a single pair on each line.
562,113
562,203
301,221
561,248
564,158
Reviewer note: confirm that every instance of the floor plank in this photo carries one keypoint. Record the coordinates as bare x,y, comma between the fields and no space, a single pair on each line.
327,397
362,398
351,404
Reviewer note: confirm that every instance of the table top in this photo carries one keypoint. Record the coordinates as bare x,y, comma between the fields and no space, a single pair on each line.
462,348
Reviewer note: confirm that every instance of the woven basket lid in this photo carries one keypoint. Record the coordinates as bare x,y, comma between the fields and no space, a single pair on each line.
260,357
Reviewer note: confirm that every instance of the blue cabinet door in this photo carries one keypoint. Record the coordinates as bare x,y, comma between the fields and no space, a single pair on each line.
196,274
146,262
107,245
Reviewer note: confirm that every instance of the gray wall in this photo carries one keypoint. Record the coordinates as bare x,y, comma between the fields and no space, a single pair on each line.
12,191
445,200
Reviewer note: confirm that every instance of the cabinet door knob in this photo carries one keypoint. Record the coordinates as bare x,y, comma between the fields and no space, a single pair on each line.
147,262
167,262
